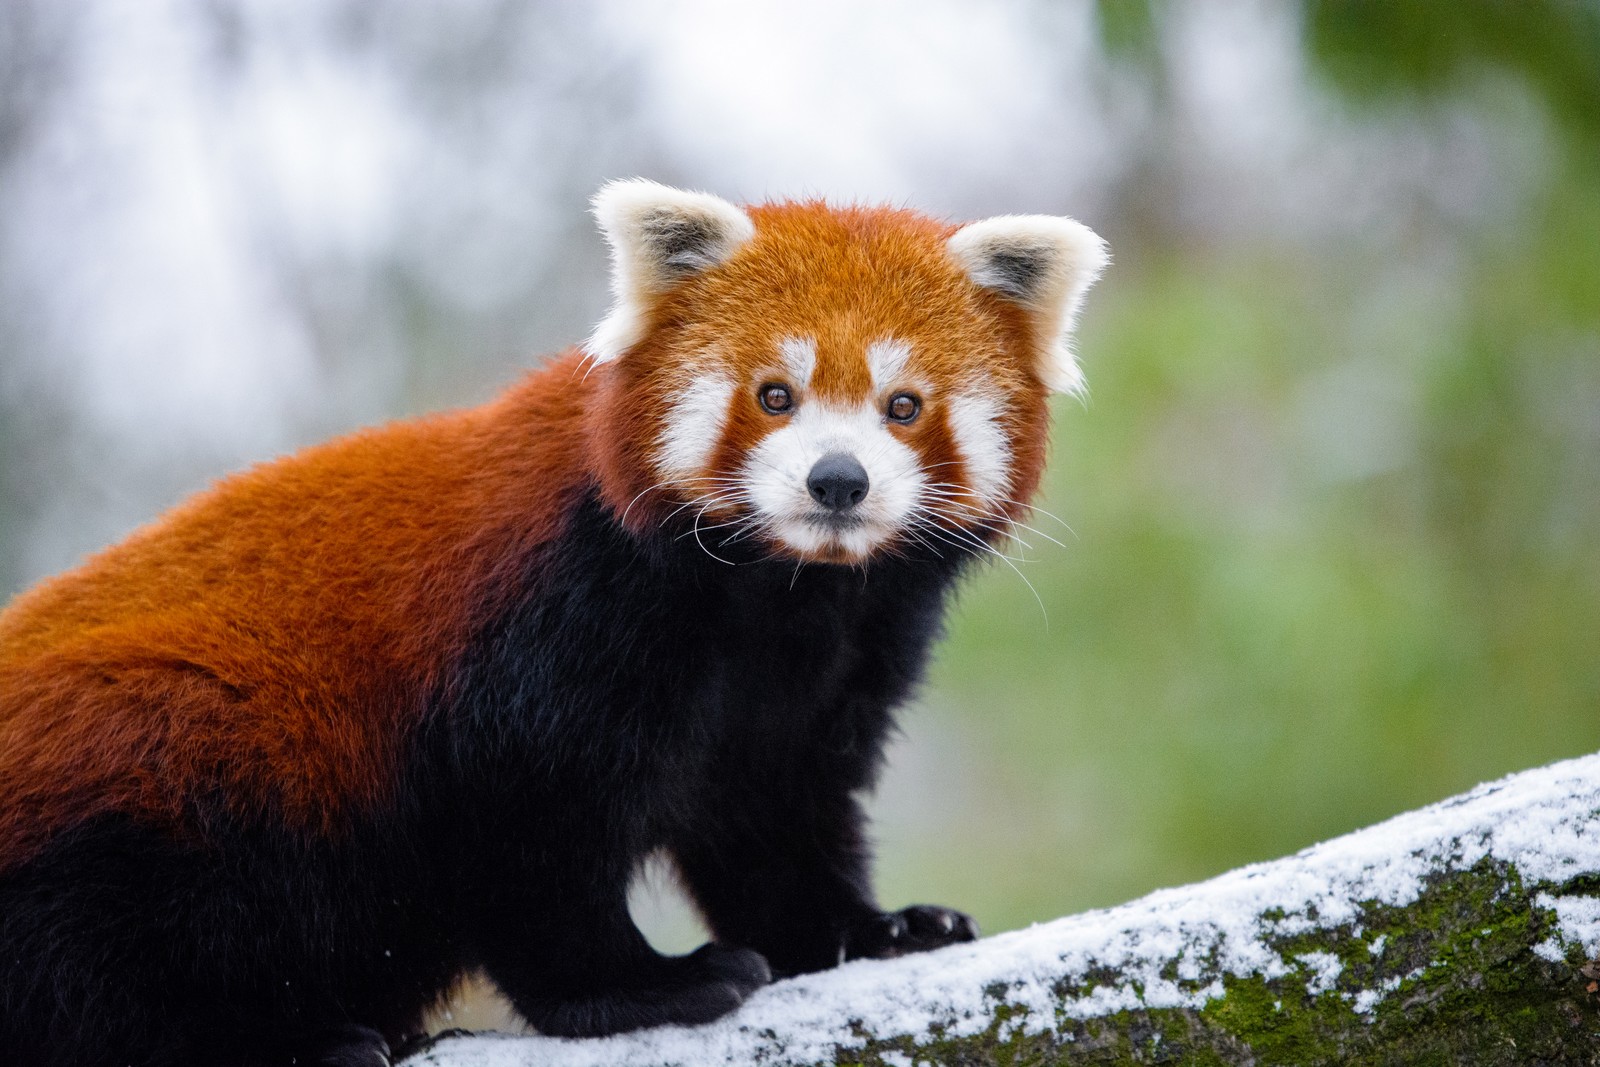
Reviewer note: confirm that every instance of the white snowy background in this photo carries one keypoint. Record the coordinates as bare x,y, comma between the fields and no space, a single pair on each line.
232,227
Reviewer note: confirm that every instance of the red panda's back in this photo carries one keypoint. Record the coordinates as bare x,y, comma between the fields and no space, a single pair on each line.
274,637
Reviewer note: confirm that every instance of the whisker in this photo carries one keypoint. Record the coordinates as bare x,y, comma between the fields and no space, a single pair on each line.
965,535
1007,560
701,543
1013,524
642,492
1036,509
996,516
710,501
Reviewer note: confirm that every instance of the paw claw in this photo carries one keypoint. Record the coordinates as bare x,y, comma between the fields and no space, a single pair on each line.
919,928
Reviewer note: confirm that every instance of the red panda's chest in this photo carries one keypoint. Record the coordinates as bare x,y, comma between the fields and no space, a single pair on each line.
642,672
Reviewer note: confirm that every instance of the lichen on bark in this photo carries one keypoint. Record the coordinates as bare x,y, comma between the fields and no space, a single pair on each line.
1460,985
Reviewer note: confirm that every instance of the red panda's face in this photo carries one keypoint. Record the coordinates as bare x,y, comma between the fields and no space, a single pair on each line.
832,383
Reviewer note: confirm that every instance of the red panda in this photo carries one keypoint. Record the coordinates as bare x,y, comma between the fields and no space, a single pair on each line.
280,768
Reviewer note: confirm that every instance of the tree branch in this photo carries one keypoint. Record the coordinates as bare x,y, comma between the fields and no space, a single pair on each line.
1460,933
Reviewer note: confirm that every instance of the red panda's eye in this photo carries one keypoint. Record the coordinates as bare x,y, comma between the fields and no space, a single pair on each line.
903,407
775,399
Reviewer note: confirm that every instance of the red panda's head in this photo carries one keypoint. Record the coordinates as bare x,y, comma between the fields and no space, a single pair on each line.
830,382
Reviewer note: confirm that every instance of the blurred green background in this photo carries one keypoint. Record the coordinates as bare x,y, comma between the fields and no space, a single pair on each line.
1336,555
1335,508
1334,498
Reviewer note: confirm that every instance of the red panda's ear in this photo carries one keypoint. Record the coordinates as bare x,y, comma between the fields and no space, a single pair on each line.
1044,263
658,237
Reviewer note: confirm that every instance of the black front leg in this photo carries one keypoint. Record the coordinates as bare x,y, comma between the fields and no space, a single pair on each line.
575,965
782,867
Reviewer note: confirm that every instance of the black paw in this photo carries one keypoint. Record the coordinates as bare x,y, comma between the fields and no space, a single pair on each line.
918,928
704,985
345,1046
742,968
417,1044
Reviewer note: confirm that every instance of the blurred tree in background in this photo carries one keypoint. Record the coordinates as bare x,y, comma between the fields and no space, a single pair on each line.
1334,500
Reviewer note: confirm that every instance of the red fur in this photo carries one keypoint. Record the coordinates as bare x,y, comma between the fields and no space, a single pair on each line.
846,277
274,635
273,639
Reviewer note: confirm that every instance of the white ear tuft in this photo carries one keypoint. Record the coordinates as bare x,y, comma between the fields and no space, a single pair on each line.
1044,263
658,237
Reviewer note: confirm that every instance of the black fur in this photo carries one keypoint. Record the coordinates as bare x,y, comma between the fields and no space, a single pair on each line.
683,243
640,696
1017,272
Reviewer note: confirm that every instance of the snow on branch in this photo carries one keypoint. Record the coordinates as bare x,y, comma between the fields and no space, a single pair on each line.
1462,932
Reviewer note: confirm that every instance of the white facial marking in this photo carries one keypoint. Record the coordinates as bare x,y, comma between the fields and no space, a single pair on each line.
887,360
799,358
776,472
985,449
694,424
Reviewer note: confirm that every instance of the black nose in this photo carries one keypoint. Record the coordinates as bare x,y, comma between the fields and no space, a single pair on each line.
837,482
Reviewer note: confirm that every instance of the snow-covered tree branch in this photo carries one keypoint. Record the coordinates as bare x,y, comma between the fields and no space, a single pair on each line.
1461,933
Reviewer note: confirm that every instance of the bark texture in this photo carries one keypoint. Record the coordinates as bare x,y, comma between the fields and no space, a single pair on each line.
1466,932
